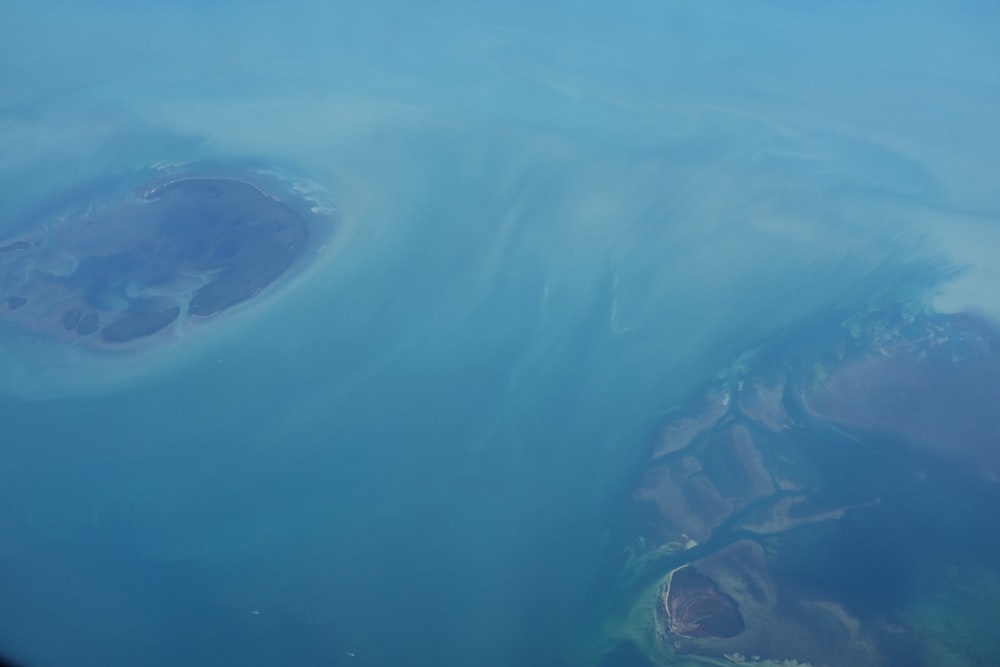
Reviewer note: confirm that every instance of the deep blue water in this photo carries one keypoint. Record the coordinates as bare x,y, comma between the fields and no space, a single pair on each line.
559,224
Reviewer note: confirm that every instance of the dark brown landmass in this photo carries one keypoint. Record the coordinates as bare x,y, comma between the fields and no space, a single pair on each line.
243,237
139,325
697,608
120,273
786,512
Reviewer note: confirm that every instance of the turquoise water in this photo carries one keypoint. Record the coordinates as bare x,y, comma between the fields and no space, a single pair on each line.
558,223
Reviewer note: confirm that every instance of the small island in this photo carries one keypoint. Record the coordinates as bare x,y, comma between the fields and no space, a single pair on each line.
697,608
133,267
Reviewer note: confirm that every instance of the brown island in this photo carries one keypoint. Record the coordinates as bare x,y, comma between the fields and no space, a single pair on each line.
695,607
805,507
131,269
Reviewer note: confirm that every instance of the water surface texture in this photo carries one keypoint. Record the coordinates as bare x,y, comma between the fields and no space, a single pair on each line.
496,334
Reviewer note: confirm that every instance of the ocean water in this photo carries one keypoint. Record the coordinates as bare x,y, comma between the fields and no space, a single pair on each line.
560,227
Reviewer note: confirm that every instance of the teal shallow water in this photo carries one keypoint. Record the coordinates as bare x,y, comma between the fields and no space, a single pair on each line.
557,225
